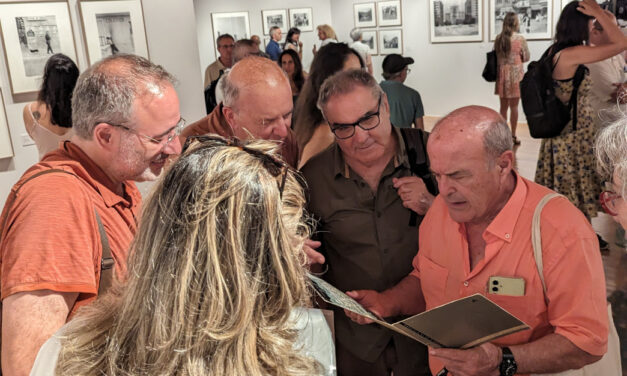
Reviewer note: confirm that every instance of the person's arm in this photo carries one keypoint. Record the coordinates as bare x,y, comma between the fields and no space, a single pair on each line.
420,123
603,81
405,298
549,354
413,191
524,50
570,58
28,320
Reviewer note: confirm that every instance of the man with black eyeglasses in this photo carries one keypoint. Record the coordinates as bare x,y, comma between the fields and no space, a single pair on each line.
67,224
363,191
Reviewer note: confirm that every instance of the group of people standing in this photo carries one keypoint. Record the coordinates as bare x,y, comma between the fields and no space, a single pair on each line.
210,276
584,35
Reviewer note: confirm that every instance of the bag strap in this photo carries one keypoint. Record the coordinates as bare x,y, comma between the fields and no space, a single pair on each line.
536,237
106,261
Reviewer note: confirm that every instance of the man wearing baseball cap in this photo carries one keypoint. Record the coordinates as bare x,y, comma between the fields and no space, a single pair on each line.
405,103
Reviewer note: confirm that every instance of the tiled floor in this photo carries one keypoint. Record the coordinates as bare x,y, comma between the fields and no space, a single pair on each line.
614,261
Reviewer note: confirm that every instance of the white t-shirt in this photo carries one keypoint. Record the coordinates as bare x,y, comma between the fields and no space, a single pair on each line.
314,340
362,49
604,74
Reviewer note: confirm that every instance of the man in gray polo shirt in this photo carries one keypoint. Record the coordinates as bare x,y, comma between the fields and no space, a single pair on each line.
405,103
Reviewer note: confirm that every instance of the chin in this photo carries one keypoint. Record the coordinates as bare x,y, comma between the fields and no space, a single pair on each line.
147,175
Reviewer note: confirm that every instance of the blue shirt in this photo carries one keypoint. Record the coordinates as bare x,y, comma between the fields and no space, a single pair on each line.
405,103
274,50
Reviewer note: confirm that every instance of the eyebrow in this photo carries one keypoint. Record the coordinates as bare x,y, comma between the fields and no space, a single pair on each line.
166,132
364,116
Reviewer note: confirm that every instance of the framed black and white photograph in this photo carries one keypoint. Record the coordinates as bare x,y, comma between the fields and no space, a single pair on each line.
370,39
234,23
390,41
6,148
32,32
302,18
271,18
535,17
456,21
389,13
112,27
365,15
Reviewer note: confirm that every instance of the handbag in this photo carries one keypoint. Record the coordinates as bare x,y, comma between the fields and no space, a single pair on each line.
610,363
489,71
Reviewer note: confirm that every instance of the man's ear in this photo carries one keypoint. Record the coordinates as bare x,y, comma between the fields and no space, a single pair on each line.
104,135
505,163
229,115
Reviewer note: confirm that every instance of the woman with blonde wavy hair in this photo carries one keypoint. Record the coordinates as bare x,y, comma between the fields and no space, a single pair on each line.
215,277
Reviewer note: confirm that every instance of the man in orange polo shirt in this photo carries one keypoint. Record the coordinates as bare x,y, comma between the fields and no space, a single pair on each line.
480,227
126,119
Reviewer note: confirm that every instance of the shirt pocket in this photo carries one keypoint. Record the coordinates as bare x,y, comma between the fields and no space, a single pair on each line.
433,278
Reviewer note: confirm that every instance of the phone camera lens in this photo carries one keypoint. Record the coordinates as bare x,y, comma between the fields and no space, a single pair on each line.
495,283
495,289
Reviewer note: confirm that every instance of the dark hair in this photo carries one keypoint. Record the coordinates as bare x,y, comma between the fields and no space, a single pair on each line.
329,60
298,78
572,27
223,36
60,75
290,34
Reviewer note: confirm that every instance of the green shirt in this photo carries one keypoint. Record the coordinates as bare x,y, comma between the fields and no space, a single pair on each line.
367,242
405,103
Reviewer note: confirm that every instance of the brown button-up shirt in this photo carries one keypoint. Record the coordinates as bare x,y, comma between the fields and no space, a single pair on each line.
216,123
366,239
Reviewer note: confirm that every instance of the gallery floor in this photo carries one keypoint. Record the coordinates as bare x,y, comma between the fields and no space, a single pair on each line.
614,261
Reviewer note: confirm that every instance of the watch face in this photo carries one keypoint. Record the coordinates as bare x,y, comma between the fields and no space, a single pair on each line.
508,368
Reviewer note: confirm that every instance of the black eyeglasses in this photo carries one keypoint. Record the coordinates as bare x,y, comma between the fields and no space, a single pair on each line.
273,165
367,122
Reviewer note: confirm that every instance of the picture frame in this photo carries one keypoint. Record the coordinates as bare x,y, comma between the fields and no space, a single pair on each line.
371,39
235,23
390,41
450,24
536,19
365,14
6,147
302,18
113,26
31,33
275,17
389,13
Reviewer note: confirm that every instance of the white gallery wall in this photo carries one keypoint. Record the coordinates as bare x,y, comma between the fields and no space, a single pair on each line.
321,10
171,34
447,75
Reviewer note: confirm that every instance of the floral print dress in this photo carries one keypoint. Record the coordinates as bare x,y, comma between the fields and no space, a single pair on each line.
566,163
510,70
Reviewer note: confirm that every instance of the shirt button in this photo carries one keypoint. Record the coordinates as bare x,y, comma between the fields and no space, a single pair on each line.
466,283
507,236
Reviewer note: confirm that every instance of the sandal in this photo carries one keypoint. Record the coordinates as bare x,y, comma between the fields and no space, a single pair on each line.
516,140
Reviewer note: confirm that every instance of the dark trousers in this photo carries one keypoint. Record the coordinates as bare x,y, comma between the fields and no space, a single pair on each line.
385,365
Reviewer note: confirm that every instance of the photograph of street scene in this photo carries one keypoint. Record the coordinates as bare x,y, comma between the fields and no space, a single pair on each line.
115,33
534,17
39,39
455,18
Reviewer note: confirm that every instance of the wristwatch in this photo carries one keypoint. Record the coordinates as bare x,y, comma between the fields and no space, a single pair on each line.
508,365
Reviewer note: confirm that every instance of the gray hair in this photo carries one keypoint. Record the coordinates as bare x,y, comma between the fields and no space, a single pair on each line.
611,152
344,82
497,139
243,48
106,91
356,34
273,30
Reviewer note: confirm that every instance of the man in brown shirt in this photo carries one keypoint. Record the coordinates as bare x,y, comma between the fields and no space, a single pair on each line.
257,104
361,191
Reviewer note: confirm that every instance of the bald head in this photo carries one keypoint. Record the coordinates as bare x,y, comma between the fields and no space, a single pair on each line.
474,125
256,75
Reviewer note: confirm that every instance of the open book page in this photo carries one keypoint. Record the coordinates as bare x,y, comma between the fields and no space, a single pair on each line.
463,323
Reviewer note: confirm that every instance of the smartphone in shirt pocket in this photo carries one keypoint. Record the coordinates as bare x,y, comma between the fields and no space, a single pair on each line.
510,286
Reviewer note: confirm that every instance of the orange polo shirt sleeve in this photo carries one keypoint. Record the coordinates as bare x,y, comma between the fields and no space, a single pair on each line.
573,268
50,238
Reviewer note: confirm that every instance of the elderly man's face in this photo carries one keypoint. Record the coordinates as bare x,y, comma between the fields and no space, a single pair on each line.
469,180
155,116
225,47
277,35
365,146
264,110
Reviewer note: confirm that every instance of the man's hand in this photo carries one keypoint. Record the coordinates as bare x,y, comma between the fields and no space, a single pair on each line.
478,361
313,256
414,193
370,300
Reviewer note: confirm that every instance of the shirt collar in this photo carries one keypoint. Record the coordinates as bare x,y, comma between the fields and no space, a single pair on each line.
341,167
97,178
502,226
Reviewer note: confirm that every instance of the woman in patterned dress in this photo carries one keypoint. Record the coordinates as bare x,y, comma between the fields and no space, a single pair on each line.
511,52
566,163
